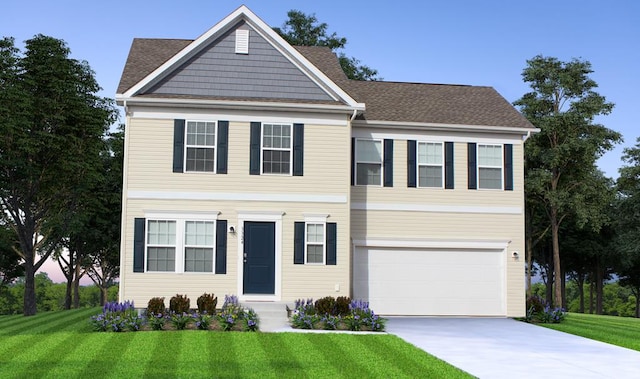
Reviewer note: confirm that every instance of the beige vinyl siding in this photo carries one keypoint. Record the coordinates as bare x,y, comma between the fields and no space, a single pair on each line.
149,169
326,151
503,221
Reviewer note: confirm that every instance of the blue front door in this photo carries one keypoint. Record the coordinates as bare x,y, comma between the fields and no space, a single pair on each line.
259,258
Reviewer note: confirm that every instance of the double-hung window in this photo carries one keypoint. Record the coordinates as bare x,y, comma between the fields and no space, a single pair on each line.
200,146
430,164
276,149
198,246
368,162
315,243
490,166
161,245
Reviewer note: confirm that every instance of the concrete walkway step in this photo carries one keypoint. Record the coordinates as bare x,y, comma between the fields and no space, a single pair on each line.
272,315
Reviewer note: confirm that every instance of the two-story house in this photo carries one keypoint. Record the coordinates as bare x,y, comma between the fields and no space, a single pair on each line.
256,168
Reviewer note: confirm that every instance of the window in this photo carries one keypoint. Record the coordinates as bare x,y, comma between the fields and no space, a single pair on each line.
368,162
161,242
490,166
276,149
314,243
181,244
198,246
430,164
200,146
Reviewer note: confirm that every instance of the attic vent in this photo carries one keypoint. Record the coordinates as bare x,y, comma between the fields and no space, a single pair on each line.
242,41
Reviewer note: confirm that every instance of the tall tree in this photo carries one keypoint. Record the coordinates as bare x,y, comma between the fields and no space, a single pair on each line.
628,222
562,156
10,267
51,123
304,30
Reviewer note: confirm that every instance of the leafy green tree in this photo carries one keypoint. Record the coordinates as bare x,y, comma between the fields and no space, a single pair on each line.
561,157
628,222
51,124
304,30
10,267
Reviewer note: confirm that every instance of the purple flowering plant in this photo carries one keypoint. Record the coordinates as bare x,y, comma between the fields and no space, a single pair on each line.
117,317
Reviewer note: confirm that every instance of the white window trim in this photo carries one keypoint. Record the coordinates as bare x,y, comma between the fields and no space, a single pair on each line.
148,245
214,147
290,149
212,247
316,219
356,161
428,164
501,167
180,218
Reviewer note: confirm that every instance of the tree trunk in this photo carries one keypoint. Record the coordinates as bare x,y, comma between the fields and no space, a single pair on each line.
637,302
67,294
76,285
103,296
580,283
599,289
529,253
563,285
591,297
549,287
29,307
555,230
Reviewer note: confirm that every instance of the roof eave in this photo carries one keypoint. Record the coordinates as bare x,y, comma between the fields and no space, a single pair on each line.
445,127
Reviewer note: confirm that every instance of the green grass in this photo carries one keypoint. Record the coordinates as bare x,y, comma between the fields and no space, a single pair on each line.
61,344
620,331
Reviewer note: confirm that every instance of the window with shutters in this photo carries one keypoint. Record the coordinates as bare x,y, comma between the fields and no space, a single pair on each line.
430,162
368,163
276,149
314,243
180,245
200,143
490,168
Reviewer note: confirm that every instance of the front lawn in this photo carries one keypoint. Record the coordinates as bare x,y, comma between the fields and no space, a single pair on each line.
620,331
61,344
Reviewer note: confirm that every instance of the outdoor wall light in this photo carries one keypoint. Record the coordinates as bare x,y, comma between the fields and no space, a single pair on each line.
232,230
515,255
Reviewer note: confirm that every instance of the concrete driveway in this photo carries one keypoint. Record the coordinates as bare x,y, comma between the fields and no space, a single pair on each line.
505,348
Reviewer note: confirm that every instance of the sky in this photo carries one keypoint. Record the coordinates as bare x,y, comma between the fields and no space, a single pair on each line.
440,41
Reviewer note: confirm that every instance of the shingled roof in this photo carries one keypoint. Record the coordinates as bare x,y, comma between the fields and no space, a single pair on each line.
385,101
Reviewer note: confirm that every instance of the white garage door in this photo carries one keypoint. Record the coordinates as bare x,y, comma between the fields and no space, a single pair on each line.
439,282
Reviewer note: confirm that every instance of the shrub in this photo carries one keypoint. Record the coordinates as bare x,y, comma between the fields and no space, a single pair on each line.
207,303
536,303
539,311
342,305
202,320
326,305
156,306
117,317
179,304
180,320
234,317
156,320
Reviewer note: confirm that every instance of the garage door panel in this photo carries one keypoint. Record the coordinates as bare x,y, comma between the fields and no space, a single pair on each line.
430,282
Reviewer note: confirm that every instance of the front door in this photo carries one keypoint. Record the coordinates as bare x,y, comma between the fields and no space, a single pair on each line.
259,258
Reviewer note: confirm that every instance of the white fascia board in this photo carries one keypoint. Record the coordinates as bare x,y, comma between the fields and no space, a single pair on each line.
446,127
471,244
205,103
266,31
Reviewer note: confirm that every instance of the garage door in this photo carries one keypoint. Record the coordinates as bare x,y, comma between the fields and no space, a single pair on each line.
443,282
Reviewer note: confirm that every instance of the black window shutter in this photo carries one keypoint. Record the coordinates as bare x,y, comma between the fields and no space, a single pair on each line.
223,147
138,244
254,154
471,157
448,165
221,247
508,167
411,163
178,145
298,243
298,149
388,163
332,245
353,161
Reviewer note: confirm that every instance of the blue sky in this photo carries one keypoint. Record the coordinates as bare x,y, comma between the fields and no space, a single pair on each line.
454,41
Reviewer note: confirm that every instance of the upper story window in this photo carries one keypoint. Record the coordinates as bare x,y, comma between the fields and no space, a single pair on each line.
200,146
490,166
369,160
430,164
276,149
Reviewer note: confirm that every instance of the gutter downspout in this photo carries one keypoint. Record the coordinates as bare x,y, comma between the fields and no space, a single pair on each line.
353,116
527,136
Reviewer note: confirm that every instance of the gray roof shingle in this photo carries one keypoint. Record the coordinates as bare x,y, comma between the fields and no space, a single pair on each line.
385,101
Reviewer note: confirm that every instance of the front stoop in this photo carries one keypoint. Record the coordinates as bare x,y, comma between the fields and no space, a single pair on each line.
272,315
